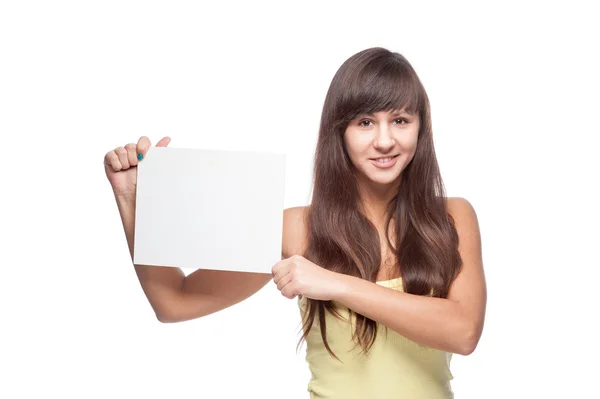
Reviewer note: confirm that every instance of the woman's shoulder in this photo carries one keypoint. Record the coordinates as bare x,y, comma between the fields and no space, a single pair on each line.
458,205
294,239
463,214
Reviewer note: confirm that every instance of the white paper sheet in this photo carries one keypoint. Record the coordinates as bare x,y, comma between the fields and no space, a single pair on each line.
209,209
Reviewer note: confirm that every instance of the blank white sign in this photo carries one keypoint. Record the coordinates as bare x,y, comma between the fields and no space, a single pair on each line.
209,209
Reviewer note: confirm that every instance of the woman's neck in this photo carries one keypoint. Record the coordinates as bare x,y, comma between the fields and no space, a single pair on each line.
375,200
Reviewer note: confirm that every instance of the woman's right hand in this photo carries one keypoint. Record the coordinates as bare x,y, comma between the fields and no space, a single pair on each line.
120,165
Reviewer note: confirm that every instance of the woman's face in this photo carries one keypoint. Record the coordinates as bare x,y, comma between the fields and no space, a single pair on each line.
381,145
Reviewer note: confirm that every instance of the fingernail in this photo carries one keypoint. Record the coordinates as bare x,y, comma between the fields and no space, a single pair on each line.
140,156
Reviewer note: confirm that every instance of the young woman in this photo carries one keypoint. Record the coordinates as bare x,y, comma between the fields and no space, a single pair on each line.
388,271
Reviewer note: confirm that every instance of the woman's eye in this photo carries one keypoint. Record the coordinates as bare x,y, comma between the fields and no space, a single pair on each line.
367,122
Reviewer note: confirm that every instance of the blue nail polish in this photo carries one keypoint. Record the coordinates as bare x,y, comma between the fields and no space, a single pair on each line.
140,156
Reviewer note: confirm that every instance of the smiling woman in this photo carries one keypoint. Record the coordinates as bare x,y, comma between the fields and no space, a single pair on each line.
391,276
382,139
388,269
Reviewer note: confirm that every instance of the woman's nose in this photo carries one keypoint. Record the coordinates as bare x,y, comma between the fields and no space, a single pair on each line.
383,138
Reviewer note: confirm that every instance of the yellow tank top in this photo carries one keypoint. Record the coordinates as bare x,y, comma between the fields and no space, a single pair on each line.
394,367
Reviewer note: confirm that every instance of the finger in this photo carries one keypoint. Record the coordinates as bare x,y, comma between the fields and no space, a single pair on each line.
164,142
122,154
111,159
142,147
289,291
282,271
132,154
276,267
283,281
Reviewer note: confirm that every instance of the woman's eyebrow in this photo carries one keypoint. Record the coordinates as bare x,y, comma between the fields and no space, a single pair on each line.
393,114
396,112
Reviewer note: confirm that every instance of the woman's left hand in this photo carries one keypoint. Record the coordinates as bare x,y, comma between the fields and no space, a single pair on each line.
297,275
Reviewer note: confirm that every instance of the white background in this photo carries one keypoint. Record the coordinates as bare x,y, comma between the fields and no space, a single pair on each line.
514,94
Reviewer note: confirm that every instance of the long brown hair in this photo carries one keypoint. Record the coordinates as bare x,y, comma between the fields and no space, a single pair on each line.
340,237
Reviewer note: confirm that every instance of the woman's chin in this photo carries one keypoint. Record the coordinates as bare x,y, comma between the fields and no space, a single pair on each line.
383,180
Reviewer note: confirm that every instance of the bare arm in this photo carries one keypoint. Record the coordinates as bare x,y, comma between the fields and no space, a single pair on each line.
207,291
454,324
162,285
175,297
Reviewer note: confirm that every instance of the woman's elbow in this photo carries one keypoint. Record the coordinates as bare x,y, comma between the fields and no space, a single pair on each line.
467,349
173,313
469,342
177,309
167,318
177,316
182,311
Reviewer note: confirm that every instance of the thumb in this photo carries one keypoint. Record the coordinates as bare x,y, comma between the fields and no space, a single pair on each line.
164,142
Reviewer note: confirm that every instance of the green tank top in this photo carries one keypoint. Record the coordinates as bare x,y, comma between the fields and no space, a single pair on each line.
395,367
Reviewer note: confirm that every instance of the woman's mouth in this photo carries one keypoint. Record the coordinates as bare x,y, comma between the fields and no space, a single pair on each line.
384,162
